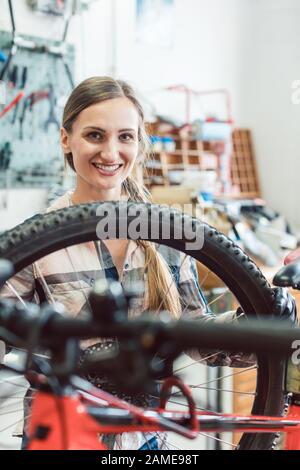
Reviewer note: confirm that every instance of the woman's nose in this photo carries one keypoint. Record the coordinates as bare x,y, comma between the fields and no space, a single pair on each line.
109,149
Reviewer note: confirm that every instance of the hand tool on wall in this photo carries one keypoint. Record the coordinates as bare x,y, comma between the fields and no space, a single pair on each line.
22,86
24,77
5,156
29,102
13,103
13,77
51,118
57,51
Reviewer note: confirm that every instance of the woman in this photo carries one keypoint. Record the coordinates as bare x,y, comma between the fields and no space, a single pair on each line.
103,139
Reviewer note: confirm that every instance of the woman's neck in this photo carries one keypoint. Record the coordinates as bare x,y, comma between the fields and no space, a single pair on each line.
84,193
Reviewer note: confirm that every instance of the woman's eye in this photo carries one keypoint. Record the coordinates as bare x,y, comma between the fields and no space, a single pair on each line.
95,135
127,137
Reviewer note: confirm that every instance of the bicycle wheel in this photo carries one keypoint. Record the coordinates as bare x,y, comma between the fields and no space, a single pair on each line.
44,234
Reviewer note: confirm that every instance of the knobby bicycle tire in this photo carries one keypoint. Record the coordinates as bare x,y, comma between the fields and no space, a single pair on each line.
46,233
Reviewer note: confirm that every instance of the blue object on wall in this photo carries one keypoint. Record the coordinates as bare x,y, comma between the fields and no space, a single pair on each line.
3,56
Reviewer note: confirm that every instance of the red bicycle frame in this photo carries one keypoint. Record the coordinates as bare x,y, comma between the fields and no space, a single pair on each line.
63,422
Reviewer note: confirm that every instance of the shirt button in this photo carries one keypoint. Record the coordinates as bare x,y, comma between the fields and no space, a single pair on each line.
92,282
126,266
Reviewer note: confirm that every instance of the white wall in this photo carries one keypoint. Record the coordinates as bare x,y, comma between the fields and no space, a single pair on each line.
269,63
204,55
16,205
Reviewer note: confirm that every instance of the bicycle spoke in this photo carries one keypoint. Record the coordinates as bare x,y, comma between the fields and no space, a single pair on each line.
200,361
222,390
164,443
247,369
13,397
17,385
146,441
205,278
185,405
43,356
218,298
44,282
174,446
10,286
169,287
219,440
219,378
117,444
11,412
15,423
13,377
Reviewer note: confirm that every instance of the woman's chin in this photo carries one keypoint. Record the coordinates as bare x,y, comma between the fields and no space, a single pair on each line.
111,185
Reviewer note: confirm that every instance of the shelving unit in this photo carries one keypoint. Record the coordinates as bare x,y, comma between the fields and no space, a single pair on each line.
244,173
165,167
189,155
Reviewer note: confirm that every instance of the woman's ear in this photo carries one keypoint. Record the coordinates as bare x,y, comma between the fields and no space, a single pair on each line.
65,140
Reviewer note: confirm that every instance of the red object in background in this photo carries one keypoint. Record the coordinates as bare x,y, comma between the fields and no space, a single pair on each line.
189,92
292,256
13,103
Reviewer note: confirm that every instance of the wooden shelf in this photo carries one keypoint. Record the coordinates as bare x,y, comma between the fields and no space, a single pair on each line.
195,155
189,155
243,165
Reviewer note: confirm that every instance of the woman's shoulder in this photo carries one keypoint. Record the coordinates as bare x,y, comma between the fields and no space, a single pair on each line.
171,256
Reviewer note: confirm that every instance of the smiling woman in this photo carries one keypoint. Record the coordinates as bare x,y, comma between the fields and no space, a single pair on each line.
103,138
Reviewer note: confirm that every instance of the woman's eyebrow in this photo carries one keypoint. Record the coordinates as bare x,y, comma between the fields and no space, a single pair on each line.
103,130
93,127
127,130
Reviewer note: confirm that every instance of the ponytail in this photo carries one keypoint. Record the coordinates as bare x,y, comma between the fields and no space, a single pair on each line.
162,291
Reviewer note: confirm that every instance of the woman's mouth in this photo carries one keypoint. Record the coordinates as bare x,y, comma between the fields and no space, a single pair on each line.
107,170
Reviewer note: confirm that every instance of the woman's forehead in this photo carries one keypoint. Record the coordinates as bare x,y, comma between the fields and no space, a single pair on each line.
118,113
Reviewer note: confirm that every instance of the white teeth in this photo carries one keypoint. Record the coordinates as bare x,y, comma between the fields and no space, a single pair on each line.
111,168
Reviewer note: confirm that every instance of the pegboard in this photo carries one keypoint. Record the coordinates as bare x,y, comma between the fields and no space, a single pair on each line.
35,152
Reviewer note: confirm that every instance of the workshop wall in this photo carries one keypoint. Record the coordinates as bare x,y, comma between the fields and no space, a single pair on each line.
269,66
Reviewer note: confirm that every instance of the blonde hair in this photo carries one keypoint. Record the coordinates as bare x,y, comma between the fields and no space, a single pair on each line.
162,291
